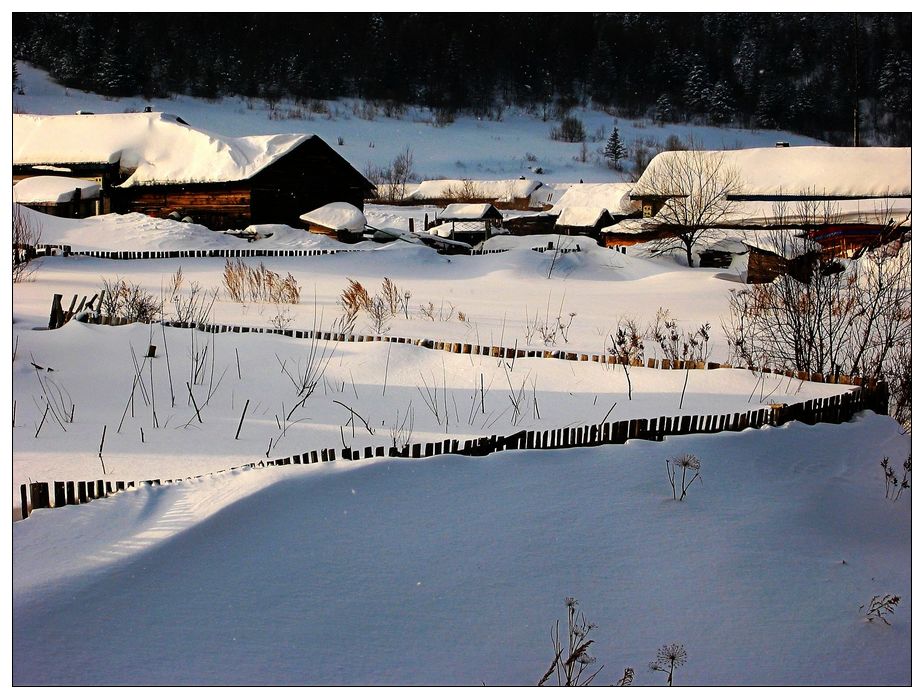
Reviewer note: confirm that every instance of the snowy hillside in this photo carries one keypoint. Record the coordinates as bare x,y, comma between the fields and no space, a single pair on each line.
468,148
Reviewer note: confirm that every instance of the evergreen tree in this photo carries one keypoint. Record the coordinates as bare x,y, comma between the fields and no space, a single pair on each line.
721,109
615,149
664,109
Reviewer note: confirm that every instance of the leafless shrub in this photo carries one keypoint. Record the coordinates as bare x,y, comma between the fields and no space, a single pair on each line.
428,311
893,487
379,315
27,232
628,347
677,345
879,607
403,431
669,658
393,179
466,189
194,305
688,465
570,129
283,318
572,658
122,300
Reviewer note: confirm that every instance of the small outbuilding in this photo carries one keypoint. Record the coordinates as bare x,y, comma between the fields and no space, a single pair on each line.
583,220
67,197
339,219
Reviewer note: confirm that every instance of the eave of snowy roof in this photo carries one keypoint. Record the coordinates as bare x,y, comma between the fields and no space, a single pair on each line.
612,196
788,244
500,190
49,189
815,171
337,216
581,216
465,212
156,148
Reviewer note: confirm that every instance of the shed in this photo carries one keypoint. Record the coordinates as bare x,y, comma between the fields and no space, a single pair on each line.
67,197
584,220
468,223
338,219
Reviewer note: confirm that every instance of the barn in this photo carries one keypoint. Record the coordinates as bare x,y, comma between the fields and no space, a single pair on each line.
157,164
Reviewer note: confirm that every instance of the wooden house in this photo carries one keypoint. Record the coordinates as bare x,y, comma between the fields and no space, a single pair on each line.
157,164
857,191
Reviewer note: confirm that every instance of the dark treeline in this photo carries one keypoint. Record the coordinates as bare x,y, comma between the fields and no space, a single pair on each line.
791,71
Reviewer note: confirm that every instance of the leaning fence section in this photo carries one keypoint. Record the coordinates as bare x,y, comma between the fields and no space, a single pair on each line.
834,409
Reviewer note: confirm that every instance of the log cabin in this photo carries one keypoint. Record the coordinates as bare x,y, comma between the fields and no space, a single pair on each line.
157,164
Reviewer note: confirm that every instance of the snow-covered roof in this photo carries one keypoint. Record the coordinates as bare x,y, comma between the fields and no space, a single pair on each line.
497,190
582,216
337,216
50,189
612,196
156,148
797,171
795,213
466,212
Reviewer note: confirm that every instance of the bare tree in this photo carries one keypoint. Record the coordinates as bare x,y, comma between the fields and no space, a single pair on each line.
26,235
695,186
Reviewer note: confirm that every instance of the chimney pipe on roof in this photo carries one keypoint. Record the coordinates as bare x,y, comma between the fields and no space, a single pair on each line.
782,144
147,110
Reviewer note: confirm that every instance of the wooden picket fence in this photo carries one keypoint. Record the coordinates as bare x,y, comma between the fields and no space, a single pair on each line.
495,351
835,409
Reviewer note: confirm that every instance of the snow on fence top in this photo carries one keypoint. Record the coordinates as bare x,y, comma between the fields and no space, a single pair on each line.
156,148
49,189
337,216
497,190
612,196
805,171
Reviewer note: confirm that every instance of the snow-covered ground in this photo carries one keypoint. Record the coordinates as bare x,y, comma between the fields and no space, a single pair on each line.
452,570
447,570
468,148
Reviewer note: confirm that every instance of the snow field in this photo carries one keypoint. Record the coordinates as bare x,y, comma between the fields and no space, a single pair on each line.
451,570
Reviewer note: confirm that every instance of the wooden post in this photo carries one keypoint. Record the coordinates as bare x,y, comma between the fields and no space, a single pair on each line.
60,500
56,317
24,500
